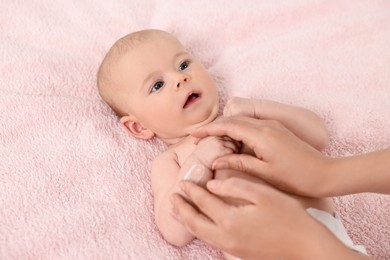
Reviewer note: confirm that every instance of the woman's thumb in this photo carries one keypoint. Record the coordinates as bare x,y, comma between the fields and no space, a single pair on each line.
243,163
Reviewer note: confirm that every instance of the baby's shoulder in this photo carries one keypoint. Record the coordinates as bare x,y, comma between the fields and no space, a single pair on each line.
176,153
168,155
164,162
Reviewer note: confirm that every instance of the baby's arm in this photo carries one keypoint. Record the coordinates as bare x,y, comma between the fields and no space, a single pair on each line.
166,175
302,122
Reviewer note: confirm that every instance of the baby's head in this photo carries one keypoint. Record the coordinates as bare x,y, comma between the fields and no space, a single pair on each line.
156,87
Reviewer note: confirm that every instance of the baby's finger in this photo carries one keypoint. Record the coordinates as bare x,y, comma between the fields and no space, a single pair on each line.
231,146
236,144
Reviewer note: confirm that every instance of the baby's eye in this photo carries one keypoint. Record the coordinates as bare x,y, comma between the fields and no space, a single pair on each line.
157,86
184,65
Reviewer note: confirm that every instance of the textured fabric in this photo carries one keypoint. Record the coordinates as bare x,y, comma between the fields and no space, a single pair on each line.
74,185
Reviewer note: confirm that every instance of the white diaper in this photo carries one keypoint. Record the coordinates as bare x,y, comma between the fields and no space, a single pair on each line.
335,225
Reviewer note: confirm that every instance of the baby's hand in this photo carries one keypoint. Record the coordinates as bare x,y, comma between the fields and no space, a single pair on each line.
212,147
237,106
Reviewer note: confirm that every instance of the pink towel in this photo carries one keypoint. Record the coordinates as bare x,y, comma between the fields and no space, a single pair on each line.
73,185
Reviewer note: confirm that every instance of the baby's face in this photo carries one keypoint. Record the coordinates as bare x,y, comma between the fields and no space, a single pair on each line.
166,89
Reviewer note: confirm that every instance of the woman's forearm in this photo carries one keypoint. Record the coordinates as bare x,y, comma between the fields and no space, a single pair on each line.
361,173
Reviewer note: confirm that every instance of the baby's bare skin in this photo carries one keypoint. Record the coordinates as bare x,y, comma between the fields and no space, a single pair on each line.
160,90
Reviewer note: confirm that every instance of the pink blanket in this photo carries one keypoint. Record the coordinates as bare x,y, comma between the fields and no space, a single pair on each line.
73,185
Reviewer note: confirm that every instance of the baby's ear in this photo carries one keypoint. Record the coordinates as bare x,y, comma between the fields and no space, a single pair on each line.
135,128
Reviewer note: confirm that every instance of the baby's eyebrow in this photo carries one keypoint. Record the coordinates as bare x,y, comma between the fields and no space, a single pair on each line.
181,53
147,78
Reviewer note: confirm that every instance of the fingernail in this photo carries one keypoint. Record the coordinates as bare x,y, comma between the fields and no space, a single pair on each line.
219,165
213,184
196,141
173,215
195,173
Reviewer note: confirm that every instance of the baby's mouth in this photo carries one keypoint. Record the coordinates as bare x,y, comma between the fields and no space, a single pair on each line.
191,99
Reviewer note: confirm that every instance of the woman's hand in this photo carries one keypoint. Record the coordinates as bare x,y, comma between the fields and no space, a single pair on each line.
282,159
271,226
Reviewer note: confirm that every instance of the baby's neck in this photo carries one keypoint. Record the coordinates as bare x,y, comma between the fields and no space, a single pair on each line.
179,141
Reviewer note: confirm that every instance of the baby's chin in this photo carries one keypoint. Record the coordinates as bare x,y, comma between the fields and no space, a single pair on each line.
211,117
185,132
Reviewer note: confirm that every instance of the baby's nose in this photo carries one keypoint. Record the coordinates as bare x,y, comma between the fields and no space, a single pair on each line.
185,79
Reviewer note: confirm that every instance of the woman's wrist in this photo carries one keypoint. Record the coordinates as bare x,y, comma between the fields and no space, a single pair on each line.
343,176
329,170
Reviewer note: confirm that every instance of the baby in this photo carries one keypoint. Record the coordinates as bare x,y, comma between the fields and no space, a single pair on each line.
158,89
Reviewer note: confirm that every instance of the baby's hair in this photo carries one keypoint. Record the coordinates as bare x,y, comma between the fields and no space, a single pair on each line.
105,83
